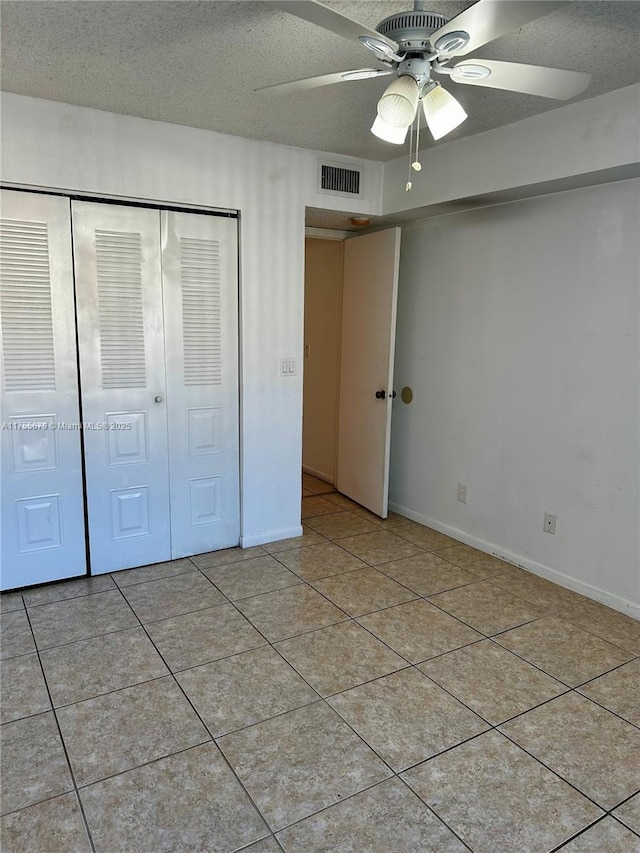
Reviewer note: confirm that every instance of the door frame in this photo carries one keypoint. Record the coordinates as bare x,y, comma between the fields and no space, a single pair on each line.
337,235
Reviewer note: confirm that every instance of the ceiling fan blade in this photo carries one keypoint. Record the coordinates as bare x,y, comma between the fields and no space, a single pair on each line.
488,19
322,16
324,80
515,77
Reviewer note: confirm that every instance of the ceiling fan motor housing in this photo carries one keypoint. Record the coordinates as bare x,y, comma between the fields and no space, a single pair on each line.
411,30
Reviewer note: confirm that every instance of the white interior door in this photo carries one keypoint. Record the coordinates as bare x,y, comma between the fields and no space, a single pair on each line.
366,369
200,280
43,535
123,386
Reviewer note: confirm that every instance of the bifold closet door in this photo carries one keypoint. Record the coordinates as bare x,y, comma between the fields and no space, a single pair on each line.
122,376
200,279
43,535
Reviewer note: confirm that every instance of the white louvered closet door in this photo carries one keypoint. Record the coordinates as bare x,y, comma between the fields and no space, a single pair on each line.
123,385
200,278
43,536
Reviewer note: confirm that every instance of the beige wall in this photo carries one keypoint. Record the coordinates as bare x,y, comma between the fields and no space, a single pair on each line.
322,327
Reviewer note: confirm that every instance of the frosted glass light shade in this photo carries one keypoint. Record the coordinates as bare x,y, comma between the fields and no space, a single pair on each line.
399,103
388,132
442,112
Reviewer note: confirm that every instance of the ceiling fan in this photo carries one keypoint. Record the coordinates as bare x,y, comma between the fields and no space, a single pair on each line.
415,45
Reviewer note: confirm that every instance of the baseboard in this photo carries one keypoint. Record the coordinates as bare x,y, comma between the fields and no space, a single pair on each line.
320,475
270,536
624,605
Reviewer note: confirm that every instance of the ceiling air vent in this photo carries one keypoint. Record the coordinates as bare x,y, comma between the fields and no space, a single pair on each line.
334,179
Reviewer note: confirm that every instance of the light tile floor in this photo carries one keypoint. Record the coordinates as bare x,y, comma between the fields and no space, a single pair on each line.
369,686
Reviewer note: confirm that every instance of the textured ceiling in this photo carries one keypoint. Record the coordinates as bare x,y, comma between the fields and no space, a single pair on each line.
337,220
197,64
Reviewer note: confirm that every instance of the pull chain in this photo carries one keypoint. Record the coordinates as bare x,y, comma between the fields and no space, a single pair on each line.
417,165
414,163
409,182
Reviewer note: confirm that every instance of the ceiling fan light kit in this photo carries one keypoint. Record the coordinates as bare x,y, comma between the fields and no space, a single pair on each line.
442,112
399,103
389,132
417,44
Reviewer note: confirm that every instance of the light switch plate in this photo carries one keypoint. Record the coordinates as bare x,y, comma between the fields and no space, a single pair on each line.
287,367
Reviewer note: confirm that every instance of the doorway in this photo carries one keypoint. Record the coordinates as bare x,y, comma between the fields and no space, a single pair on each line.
350,313
324,270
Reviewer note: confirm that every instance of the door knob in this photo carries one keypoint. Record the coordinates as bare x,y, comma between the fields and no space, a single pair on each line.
159,399
380,395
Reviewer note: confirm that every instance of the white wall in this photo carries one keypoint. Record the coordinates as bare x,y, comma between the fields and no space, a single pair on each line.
598,135
518,331
57,146
503,280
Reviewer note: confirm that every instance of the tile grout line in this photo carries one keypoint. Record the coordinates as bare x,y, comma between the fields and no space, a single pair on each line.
416,594
247,847
546,612
206,728
324,699
555,772
511,567
396,774
622,823
110,692
56,584
553,613
72,774
492,727
537,760
580,833
81,640
320,700
349,618
556,677
370,788
624,802
453,696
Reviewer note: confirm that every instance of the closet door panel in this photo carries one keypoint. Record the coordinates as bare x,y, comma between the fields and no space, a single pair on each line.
121,343
43,536
200,281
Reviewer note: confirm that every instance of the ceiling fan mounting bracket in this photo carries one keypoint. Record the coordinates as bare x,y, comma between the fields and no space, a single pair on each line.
440,67
411,30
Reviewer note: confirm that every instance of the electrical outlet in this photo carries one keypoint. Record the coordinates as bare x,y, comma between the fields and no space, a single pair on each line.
550,523
462,493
